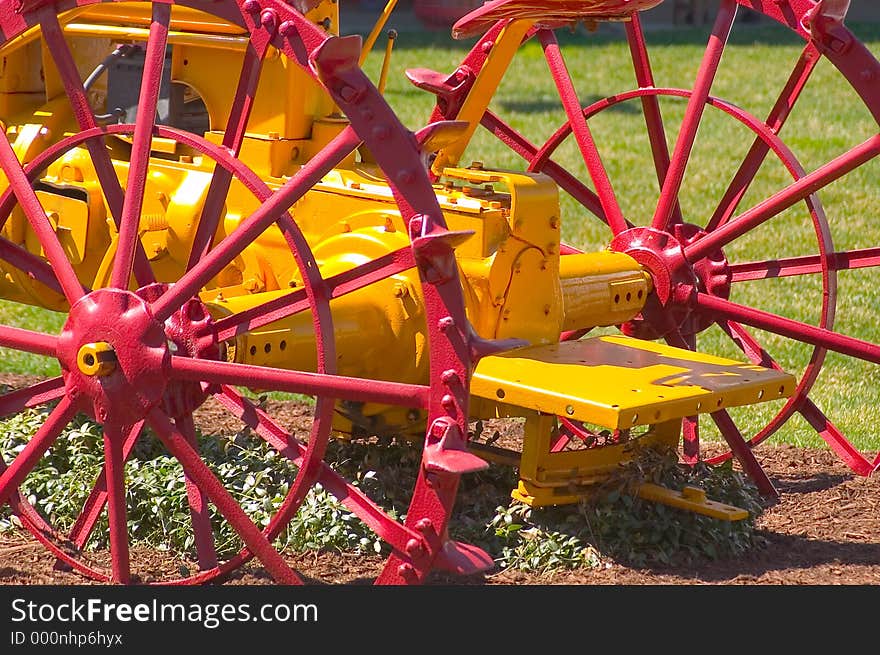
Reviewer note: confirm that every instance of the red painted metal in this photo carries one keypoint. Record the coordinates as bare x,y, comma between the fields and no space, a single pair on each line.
123,320
848,260
233,137
141,326
547,14
32,396
39,222
744,454
690,270
198,502
264,377
782,200
85,118
196,469
27,262
97,499
650,105
693,115
786,102
821,27
141,146
586,144
114,470
25,461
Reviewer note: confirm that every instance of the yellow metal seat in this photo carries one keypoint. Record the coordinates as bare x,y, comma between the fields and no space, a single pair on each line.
620,382
546,13
616,382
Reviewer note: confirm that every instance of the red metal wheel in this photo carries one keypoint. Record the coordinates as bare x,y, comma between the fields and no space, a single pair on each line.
148,352
706,283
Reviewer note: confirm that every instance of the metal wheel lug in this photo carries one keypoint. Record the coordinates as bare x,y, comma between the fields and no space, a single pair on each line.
414,548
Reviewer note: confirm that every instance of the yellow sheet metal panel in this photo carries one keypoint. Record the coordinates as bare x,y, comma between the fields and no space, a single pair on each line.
620,382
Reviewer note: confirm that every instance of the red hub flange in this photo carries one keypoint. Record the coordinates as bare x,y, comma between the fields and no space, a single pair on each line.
114,355
674,278
189,334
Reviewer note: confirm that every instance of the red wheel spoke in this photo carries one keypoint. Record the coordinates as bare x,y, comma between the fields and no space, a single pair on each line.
743,453
39,222
196,469
584,137
787,327
835,438
297,301
782,200
748,344
198,504
741,182
29,263
276,379
845,260
690,425
528,151
32,396
292,190
41,442
650,105
232,139
114,468
693,114
94,505
28,341
142,139
351,497
53,37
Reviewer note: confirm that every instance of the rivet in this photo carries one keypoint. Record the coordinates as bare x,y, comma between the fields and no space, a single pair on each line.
251,6
424,525
448,402
287,28
449,377
269,20
487,46
446,323
413,547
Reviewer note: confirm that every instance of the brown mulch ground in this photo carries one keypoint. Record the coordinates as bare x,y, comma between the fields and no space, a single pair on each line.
825,530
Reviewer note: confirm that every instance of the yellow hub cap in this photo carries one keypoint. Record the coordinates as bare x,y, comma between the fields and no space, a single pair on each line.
96,358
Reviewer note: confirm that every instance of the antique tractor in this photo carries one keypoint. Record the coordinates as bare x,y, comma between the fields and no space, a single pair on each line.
218,200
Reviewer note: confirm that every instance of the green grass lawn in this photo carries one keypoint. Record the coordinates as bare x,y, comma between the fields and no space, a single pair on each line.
828,120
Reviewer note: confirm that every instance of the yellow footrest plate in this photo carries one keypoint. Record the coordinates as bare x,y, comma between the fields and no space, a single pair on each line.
620,382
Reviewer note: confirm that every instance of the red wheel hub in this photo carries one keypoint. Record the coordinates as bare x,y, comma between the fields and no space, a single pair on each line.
121,324
188,334
673,276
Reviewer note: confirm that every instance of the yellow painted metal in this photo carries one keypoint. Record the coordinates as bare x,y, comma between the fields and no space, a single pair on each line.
514,282
96,359
601,288
692,499
620,382
374,33
511,264
386,61
481,93
565,477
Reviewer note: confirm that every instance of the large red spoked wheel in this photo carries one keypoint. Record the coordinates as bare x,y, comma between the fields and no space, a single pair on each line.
743,260
146,352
